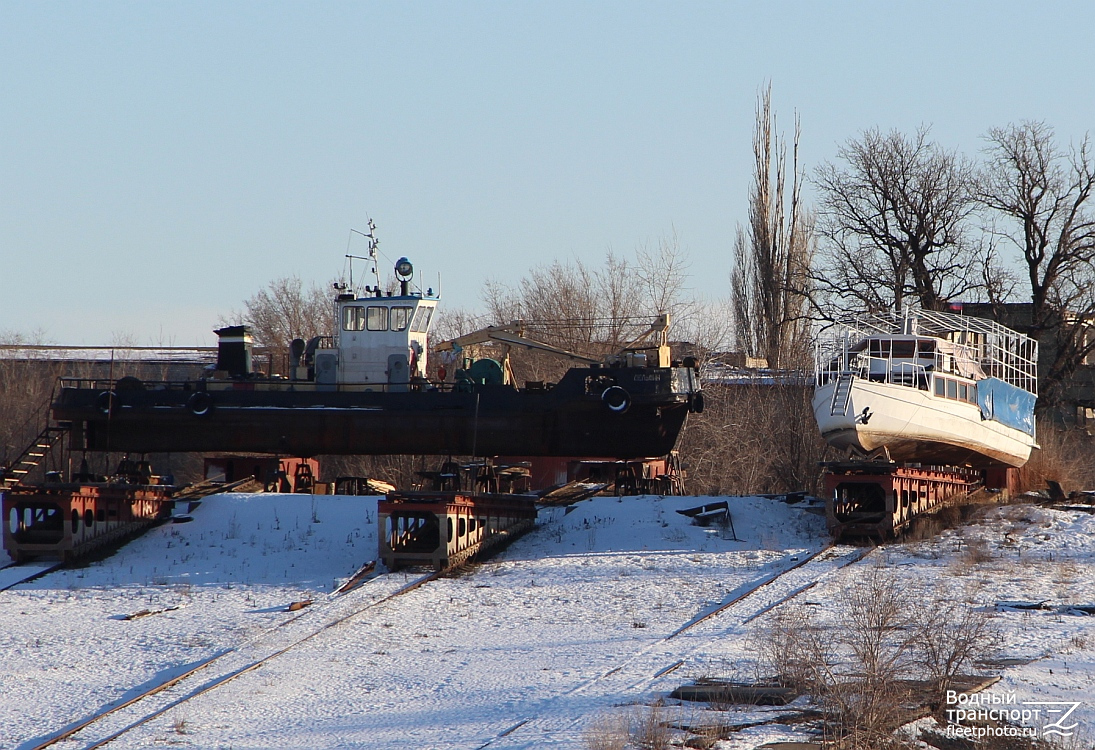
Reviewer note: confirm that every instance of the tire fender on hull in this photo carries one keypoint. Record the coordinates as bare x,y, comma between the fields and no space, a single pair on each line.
617,399
106,401
200,404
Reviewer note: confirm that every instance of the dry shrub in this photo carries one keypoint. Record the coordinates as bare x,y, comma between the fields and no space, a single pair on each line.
949,516
1067,572
858,669
977,551
1066,456
648,730
753,438
973,552
853,671
791,648
931,525
606,732
401,471
952,636
644,728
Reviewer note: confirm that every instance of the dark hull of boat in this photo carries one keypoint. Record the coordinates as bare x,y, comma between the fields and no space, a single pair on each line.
570,419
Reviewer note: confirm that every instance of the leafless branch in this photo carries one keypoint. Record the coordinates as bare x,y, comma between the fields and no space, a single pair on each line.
893,219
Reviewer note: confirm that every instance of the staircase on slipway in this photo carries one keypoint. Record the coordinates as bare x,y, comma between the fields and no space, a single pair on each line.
842,394
33,455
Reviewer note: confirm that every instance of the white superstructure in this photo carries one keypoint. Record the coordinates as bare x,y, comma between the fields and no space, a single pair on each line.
380,340
927,386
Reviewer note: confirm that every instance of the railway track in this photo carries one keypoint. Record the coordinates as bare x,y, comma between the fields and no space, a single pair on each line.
636,673
104,726
482,521
367,590
415,520
643,669
17,573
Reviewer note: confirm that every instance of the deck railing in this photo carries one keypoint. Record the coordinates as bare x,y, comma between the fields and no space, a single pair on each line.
999,352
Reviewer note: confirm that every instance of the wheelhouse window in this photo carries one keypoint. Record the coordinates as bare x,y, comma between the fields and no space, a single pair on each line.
904,349
879,348
377,318
422,319
940,386
401,318
353,318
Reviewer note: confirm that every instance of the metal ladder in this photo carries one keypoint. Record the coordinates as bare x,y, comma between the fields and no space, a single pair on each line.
842,394
33,455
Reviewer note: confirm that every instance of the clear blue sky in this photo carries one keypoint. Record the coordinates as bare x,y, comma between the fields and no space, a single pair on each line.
162,161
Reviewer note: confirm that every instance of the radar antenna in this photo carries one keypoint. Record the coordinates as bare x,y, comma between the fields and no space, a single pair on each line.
374,242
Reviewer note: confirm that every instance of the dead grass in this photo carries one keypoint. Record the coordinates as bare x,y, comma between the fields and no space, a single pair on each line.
977,551
752,439
639,728
1066,456
606,732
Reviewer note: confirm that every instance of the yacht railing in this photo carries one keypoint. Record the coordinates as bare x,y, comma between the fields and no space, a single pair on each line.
998,351
885,370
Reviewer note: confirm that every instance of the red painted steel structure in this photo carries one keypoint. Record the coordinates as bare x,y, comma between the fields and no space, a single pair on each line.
879,499
67,521
445,529
276,474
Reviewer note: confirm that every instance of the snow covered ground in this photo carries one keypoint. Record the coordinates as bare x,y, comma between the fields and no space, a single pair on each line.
569,625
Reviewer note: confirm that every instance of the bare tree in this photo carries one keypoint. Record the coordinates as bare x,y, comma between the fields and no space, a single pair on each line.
618,289
1044,196
998,280
561,293
558,304
588,310
708,325
771,262
450,322
894,222
662,273
284,310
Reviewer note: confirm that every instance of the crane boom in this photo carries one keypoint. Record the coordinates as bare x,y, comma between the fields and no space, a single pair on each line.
513,334
655,337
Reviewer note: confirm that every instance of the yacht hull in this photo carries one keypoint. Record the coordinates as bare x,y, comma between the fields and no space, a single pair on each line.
916,426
